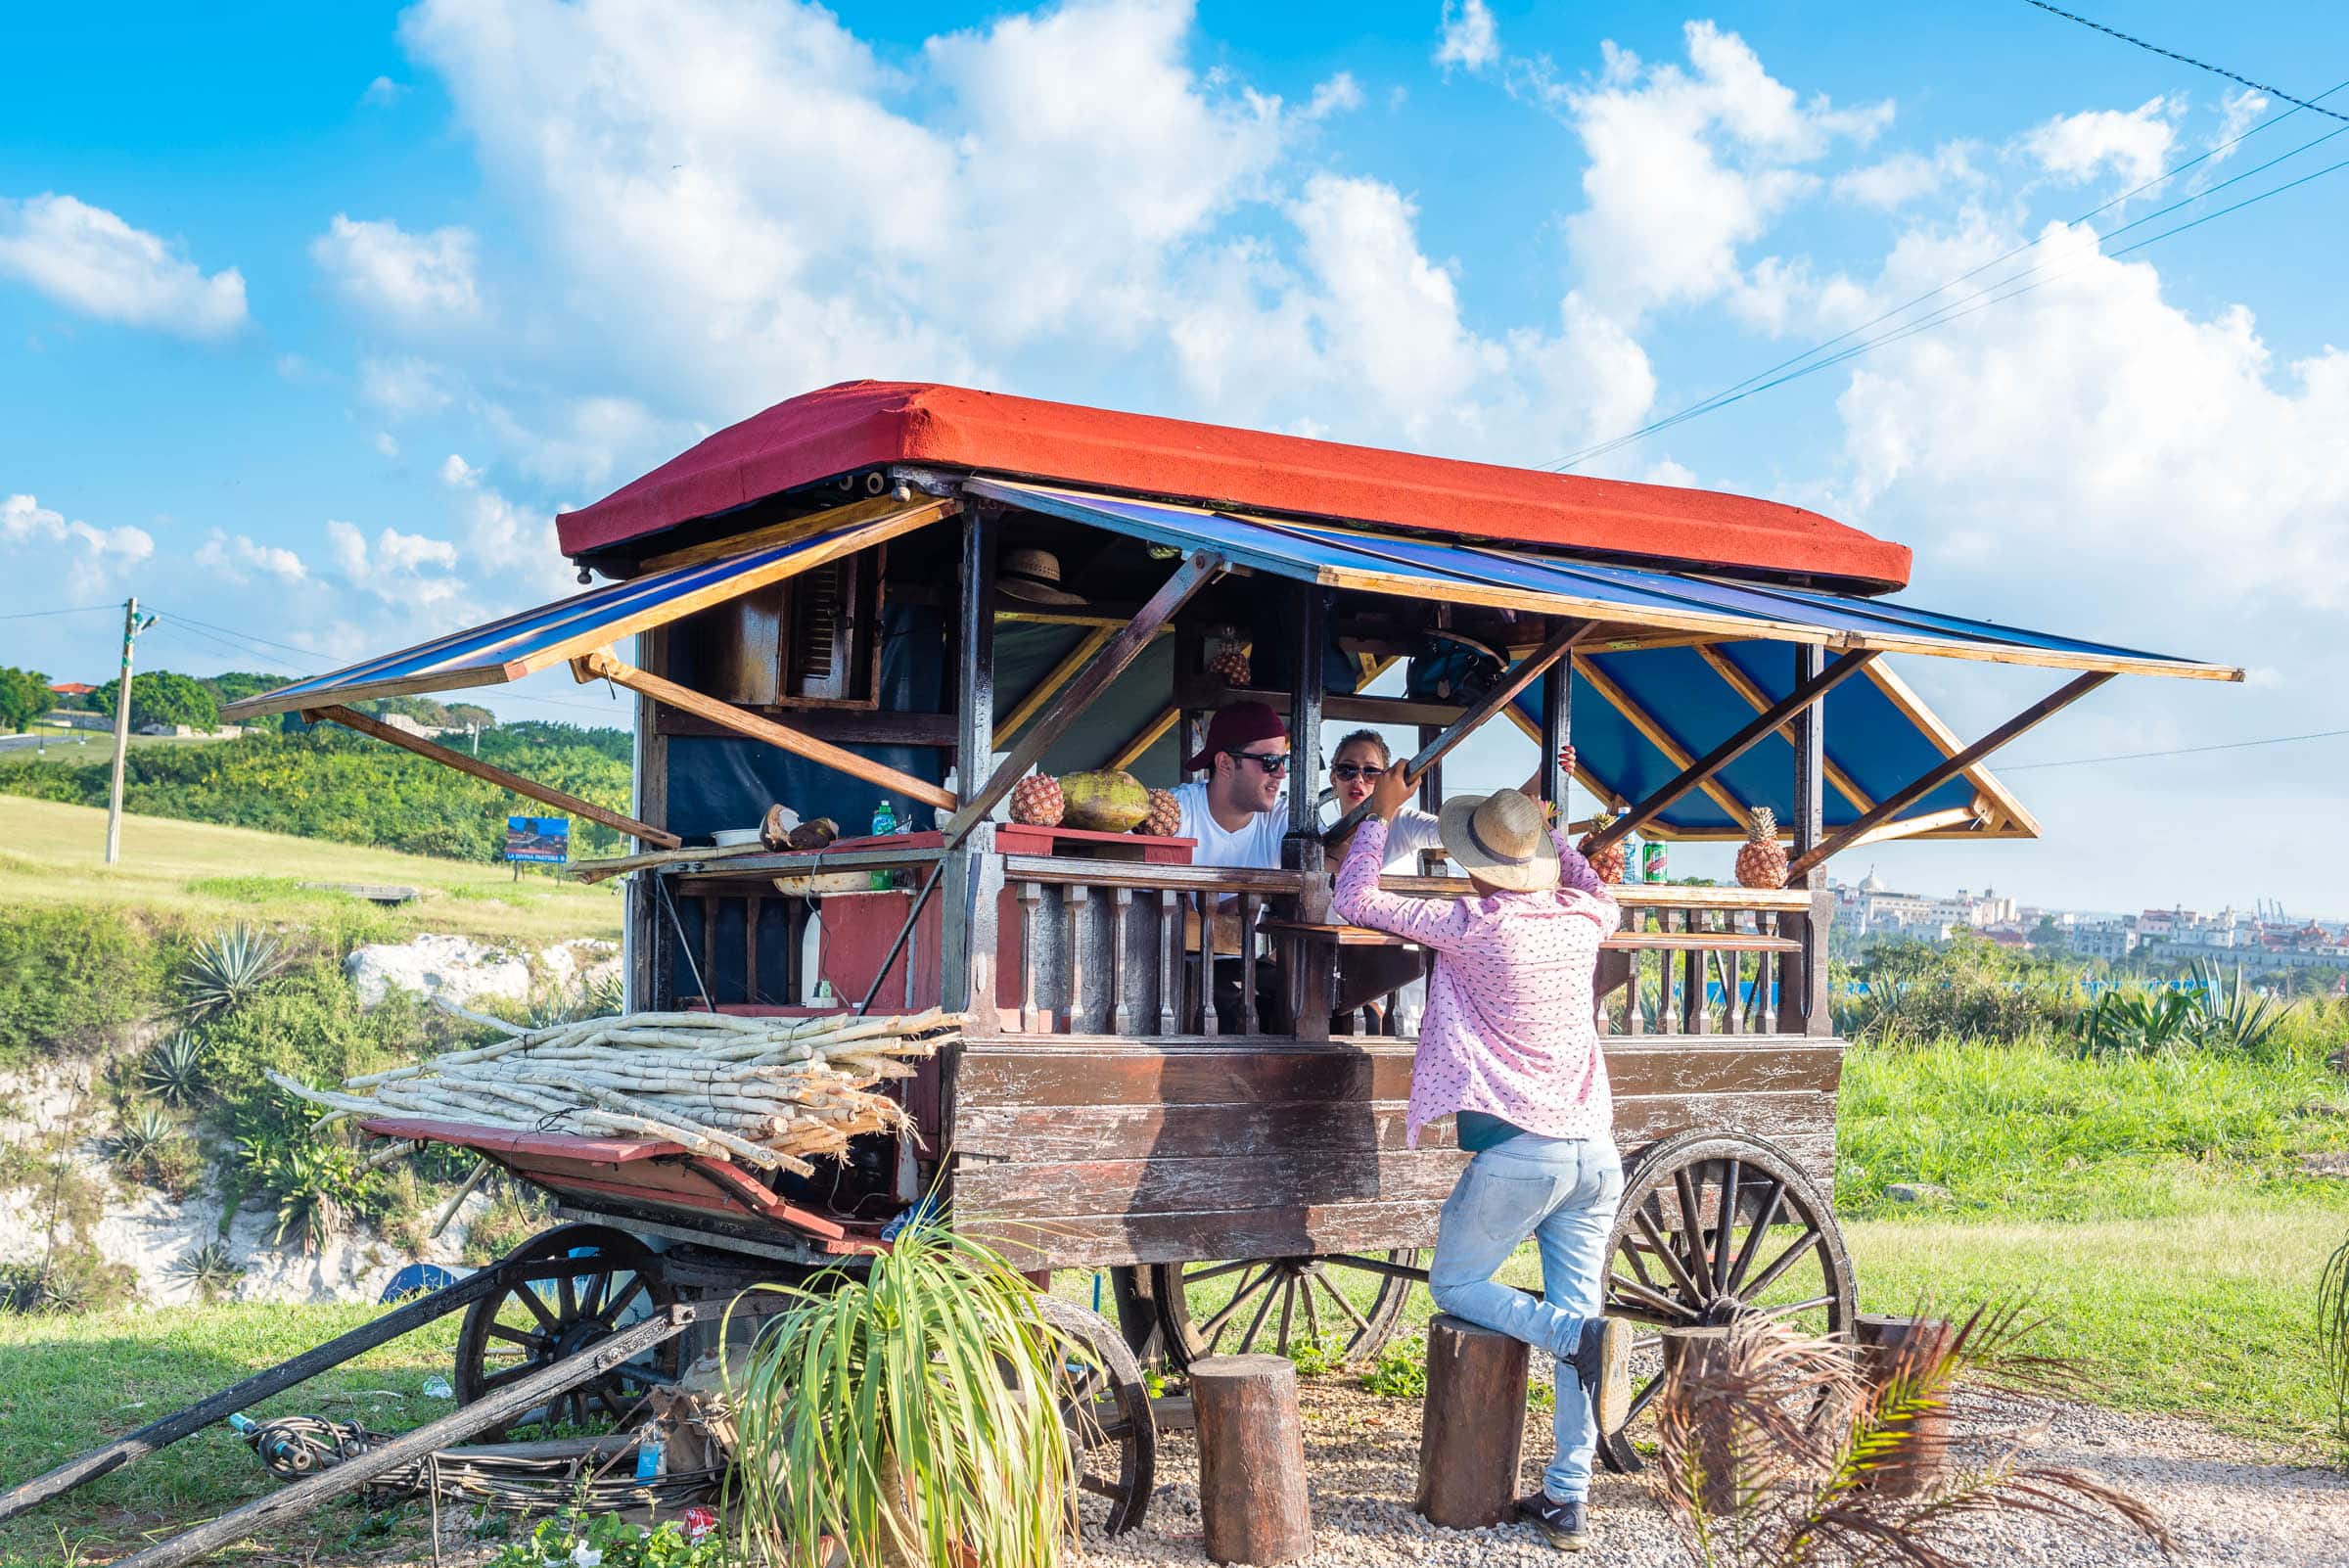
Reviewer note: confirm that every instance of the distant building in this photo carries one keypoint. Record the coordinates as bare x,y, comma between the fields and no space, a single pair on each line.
2109,939
72,688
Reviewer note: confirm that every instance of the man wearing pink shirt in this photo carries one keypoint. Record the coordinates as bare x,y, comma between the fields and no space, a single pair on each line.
1509,1047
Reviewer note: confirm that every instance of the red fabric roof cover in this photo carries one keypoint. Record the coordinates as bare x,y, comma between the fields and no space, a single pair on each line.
866,424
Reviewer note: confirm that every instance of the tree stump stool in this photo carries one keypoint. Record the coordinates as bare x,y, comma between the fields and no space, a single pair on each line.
1252,1498
1704,1353
1888,1347
1472,1426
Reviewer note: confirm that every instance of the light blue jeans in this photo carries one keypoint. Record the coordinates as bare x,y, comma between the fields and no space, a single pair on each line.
1563,1192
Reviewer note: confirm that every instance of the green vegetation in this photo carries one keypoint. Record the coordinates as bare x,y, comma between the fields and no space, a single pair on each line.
163,697
73,980
201,876
24,696
329,783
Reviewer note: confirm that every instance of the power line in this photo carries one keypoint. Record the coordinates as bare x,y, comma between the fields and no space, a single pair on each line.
2181,751
76,610
1738,391
2184,60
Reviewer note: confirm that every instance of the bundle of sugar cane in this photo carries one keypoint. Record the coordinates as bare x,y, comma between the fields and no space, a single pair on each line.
773,1092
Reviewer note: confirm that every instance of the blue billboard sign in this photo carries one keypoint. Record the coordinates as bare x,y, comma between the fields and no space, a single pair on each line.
538,837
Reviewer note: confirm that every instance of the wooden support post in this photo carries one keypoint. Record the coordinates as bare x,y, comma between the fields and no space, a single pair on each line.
1804,700
1909,795
972,880
1106,666
499,1405
1252,1500
262,1385
1803,977
1302,849
1557,732
1895,1348
1493,702
603,665
352,718
1472,1426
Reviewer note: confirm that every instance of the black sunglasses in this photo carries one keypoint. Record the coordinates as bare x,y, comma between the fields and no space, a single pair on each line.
1353,770
1269,762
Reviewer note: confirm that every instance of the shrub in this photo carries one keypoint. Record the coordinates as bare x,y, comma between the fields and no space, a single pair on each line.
73,980
149,1146
1400,1371
226,971
174,1069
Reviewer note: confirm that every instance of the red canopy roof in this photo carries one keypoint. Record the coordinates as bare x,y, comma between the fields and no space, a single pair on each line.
867,424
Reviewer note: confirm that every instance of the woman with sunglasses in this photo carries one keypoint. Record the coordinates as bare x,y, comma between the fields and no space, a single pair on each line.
1360,761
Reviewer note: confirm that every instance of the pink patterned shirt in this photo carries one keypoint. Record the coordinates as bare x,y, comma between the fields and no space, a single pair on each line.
1511,1027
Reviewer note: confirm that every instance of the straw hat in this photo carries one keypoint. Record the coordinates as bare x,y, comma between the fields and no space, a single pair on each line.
1033,575
1500,839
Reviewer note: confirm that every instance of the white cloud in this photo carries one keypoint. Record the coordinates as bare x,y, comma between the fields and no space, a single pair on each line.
2240,111
385,444
407,388
1905,177
1341,94
94,557
1688,166
585,438
90,260
383,92
418,280
239,558
1470,37
2136,145
515,546
2105,435
412,571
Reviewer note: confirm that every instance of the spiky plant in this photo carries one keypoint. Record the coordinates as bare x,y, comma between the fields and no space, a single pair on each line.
1774,1455
222,974
174,1069
910,1412
2333,1332
209,1271
2233,1016
143,1133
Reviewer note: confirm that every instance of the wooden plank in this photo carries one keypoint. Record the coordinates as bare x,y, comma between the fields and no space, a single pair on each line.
645,987
1933,778
603,665
1057,677
1089,1241
1265,1072
1758,700
1913,827
1224,1184
1806,695
545,795
2007,811
1207,691
1141,740
1106,666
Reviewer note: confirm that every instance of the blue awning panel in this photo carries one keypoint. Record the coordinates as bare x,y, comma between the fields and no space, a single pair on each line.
551,634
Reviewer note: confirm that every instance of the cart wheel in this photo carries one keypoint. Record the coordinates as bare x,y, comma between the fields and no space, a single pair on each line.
1672,1265
1347,1300
566,1288
1113,1441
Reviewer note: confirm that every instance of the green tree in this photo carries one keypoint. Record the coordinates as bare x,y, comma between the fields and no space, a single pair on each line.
470,713
24,696
2048,937
235,685
163,697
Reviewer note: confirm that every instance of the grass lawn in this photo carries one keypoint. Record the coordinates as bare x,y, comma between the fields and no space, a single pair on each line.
67,1384
55,853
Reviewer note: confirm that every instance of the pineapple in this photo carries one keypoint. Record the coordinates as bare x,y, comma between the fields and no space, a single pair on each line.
1762,862
1036,800
1232,664
1166,817
1608,863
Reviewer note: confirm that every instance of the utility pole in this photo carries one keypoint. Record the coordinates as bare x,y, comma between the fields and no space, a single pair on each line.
113,801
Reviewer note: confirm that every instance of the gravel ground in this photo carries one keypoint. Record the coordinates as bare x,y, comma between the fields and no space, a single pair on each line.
2225,1501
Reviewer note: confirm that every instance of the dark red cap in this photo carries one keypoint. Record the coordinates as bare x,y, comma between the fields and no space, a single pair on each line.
1237,728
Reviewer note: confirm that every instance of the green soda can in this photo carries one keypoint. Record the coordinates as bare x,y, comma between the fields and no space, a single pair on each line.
1653,862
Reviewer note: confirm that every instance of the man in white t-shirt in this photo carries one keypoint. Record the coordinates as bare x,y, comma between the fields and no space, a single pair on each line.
1239,813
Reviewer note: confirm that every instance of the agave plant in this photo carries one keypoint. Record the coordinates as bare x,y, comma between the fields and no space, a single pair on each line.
910,1412
2134,1022
223,973
143,1135
2235,1015
209,1271
174,1069
314,1184
1776,1454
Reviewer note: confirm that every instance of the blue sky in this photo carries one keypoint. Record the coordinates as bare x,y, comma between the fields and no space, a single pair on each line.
310,318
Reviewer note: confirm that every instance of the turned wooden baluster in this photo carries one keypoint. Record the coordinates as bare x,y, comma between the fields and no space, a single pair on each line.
1247,963
1119,1015
1208,1023
1031,898
1170,947
1072,899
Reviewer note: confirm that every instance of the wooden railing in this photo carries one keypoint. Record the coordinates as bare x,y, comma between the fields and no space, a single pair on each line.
1704,961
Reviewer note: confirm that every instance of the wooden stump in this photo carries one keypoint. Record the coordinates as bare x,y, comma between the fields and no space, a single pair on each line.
1704,1353
1472,1427
1252,1498
1885,1344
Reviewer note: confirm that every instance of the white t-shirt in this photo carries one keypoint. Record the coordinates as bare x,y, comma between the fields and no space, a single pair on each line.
1412,831
1256,844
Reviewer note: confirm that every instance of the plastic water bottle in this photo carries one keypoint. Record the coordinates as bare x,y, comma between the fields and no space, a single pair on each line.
885,823
648,1455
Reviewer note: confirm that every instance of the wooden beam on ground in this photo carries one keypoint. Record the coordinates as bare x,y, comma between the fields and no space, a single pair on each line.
1058,676
1110,663
1797,701
543,794
1932,780
1758,700
1502,698
603,665
1662,739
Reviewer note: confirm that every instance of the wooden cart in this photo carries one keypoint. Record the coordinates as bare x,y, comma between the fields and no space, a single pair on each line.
838,601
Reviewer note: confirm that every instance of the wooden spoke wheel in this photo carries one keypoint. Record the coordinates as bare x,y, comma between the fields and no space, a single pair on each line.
566,1288
1675,1263
1350,1303
1113,1441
